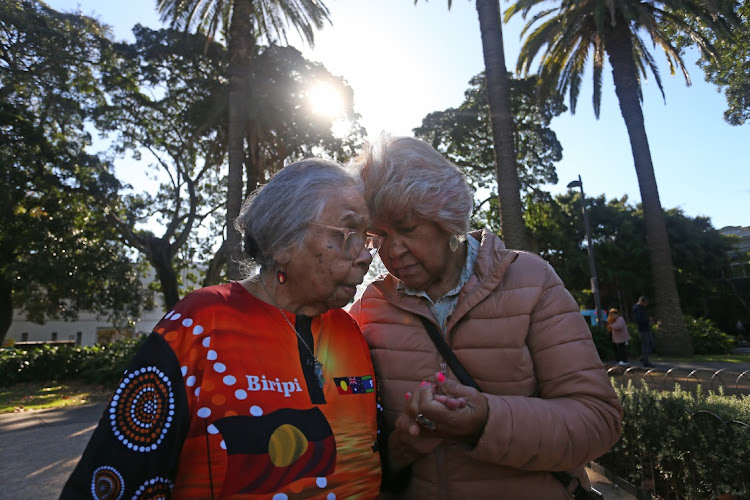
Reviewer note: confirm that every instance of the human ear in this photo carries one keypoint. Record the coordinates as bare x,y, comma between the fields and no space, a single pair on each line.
283,257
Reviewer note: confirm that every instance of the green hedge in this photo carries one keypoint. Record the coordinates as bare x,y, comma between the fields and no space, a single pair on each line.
683,445
707,337
100,364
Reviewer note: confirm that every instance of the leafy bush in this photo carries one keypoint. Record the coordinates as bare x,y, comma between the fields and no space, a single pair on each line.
603,342
99,364
707,338
683,445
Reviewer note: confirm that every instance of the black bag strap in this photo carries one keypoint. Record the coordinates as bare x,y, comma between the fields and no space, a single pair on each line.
447,353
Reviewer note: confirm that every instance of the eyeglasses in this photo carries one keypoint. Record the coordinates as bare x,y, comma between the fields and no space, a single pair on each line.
354,240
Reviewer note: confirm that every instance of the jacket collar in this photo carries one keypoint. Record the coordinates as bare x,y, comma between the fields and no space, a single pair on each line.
492,263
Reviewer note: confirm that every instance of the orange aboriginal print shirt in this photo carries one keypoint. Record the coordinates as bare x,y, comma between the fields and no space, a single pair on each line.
220,407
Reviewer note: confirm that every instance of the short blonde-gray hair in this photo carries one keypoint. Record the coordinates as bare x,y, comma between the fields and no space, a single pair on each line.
403,174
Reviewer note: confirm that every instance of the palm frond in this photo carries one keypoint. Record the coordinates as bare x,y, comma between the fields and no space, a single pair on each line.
271,18
537,17
598,69
572,74
642,58
543,35
559,38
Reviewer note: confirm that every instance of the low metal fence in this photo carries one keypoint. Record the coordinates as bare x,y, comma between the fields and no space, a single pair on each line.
729,381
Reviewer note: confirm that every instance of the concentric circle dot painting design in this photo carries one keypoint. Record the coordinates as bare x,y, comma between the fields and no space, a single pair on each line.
107,484
157,488
142,409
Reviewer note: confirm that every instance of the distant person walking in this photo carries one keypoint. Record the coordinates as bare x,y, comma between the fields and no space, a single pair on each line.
642,321
620,335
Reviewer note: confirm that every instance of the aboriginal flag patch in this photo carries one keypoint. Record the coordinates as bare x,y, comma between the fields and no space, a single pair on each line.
268,452
355,385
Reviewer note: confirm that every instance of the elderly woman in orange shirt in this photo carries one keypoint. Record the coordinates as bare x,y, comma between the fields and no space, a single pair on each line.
261,388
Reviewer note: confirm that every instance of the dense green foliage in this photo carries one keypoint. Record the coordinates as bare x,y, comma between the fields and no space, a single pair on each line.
58,253
161,100
707,338
166,107
692,445
99,364
243,24
699,255
730,68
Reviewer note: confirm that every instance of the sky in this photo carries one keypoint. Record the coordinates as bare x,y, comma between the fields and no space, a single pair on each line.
404,61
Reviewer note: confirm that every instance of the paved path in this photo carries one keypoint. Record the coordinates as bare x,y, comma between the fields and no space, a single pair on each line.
40,449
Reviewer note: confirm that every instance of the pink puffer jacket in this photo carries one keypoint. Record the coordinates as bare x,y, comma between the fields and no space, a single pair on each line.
521,336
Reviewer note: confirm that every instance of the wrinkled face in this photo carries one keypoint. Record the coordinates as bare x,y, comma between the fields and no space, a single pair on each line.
414,250
322,272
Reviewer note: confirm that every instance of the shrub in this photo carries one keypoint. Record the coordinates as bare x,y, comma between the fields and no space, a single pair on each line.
98,364
707,338
684,445
106,363
603,342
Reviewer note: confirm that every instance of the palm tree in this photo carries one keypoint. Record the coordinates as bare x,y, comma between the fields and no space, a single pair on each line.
501,121
242,23
614,28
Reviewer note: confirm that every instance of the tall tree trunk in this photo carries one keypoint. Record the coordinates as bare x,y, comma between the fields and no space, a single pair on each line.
159,255
252,162
241,42
6,306
673,337
215,266
501,119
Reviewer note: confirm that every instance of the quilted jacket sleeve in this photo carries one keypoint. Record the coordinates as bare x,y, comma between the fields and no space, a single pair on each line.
575,416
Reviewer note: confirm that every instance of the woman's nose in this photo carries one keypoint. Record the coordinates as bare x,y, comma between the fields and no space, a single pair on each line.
363,257
394,246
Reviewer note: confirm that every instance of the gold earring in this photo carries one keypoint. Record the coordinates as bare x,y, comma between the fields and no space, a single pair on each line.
453,243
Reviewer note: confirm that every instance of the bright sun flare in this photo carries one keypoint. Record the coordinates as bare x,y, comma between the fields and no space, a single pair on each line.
325,100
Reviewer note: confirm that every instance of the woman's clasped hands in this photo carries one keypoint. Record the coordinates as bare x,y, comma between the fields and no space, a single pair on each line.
441,409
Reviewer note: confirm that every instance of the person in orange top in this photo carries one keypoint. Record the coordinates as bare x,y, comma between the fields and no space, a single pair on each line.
261,388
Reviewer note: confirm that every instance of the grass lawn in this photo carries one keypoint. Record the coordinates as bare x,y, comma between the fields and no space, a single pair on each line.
39,395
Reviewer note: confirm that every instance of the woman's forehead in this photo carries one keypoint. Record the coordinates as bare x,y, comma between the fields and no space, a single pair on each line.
346,205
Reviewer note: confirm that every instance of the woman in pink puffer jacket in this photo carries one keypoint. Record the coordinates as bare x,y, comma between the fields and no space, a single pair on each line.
545,405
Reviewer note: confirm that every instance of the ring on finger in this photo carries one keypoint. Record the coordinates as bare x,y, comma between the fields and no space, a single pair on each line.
425,422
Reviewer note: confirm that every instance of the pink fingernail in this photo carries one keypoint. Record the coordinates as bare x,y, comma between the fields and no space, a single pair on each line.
408,395
441,377
424,384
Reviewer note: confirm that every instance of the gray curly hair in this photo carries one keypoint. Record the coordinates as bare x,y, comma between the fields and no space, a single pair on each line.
275,216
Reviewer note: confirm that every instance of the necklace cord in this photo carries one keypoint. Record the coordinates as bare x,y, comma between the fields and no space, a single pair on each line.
318,370
273,303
